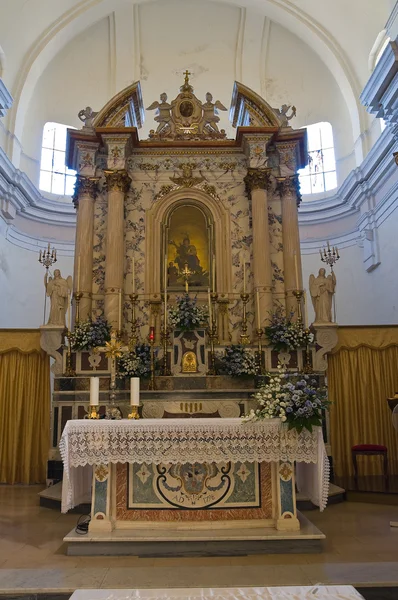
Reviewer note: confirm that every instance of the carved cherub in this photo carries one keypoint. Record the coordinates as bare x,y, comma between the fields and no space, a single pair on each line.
87,115
163,116
210,117
282,114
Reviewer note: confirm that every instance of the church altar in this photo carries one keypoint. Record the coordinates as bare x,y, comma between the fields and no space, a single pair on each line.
193,462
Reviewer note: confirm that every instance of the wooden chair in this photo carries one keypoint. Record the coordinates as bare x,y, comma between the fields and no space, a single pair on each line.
370,450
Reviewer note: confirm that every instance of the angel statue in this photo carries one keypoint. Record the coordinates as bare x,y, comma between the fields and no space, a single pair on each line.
322,289
163,116
87,115
282,114
58,289
210,117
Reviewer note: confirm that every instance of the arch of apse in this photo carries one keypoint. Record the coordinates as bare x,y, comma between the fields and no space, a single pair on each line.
87,12
157,217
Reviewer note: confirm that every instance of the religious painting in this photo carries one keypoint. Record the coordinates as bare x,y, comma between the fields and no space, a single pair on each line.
188,240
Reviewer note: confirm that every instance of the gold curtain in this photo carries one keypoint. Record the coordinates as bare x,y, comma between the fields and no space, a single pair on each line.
24,407
362,374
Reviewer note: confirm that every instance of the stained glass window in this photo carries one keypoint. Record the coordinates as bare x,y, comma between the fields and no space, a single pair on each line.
320,173
55,177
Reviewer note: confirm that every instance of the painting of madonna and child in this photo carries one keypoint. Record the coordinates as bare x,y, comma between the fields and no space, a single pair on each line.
188,248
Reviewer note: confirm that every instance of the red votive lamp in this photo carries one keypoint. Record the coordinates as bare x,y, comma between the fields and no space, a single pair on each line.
151,334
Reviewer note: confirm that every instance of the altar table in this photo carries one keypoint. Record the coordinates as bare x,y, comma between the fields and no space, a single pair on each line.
108,445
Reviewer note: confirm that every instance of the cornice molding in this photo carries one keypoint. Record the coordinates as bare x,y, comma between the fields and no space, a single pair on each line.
5,99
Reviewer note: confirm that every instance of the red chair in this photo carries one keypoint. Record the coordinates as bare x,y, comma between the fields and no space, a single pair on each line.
370,450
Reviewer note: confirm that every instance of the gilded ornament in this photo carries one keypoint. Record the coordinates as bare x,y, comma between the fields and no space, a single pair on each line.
285,471
257,179
117,181
189,363
113,349
187,179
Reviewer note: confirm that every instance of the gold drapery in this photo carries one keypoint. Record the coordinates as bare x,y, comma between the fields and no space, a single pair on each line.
362,374
24,407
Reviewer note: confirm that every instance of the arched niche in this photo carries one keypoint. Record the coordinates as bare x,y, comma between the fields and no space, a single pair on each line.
158,220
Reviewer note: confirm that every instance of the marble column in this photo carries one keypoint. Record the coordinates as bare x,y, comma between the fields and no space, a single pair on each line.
257,183
118,183
288,188
86,190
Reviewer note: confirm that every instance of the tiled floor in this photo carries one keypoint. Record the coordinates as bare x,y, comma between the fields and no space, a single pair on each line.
360,549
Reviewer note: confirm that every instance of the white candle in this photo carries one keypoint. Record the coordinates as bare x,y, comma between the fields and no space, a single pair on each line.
258,310
135,391
133,275
69,312
209,298
94,391
296,270
120,310
78,273
214,273
244,277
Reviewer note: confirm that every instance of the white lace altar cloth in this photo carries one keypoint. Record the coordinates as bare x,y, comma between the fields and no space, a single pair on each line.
90,442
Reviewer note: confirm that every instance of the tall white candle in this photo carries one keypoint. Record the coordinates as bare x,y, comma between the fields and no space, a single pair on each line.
244,276
214,273
133,275
135,391
258,310
69,312
78,273
120,311
296,270
165,293
94,391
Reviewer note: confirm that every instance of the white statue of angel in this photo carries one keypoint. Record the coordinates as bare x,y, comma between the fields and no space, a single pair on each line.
322,289
163,116
210,117
58,289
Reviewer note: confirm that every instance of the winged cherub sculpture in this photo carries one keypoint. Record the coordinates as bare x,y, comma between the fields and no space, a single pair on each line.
163,116
210,110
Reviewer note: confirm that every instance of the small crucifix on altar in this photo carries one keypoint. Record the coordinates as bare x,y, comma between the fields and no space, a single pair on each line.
186,274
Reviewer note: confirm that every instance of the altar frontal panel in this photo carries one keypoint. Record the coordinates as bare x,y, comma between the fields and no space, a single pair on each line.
193,492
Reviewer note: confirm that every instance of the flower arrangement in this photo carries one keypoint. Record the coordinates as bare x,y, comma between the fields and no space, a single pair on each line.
285,334
136,363
295,399
186,315
238,361
89,334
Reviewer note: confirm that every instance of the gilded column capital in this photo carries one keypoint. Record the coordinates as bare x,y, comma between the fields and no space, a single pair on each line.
117,181
289,186
257,179
85,186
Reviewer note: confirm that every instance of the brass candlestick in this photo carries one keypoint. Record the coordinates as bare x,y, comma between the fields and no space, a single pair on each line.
260,334
134,413
214,298
307,368
212,332
134,322
298,294
77,296
69,370
165,338
244,338
151,338
93,412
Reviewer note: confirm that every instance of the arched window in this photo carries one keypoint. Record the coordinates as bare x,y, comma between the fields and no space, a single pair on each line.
320,173
55,177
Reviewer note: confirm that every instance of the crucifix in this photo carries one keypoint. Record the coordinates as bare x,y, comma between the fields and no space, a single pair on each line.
186,274
113,350
187,74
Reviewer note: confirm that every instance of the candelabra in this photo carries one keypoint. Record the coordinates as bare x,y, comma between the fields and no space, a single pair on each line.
69,370
213,334
298,294
151,339
307,367
214,298
77,296
165,338
330,255
244,338
134,322
47,258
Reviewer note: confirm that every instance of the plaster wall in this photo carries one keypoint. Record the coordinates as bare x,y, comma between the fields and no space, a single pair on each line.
22,283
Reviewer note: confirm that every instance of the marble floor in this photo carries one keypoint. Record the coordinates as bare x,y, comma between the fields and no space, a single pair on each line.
361,549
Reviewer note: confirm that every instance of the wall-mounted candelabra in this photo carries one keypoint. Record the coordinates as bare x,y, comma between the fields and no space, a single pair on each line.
47,258
329,255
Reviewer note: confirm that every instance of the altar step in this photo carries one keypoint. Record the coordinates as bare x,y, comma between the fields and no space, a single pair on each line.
205,542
